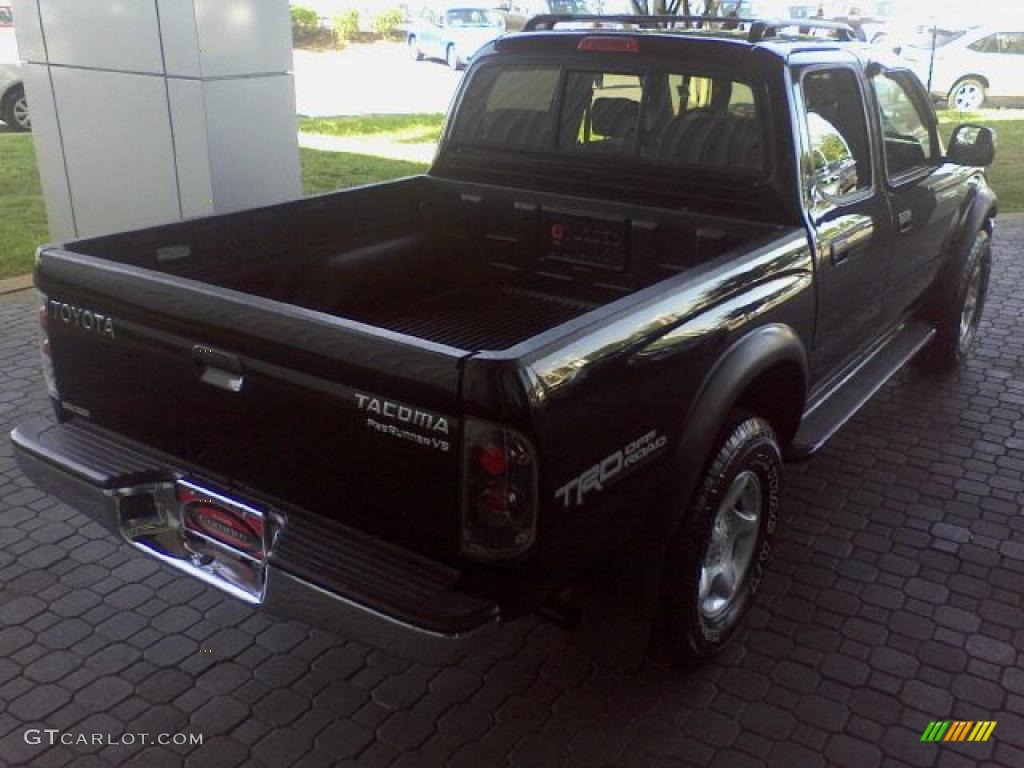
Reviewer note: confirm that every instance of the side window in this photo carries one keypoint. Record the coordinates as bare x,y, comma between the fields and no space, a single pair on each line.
1012,43
840,154
909,142
987,44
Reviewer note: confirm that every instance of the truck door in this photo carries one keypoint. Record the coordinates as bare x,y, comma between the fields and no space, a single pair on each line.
924,194
850,220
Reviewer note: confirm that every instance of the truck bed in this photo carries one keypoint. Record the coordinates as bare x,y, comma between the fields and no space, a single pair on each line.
465,266
485,317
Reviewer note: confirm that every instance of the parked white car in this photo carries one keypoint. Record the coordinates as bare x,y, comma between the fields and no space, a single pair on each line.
976,67
13,106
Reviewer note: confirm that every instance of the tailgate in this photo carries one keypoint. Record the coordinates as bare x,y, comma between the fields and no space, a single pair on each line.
345,420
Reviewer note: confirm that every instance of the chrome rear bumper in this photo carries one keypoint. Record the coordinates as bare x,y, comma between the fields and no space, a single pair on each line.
407,606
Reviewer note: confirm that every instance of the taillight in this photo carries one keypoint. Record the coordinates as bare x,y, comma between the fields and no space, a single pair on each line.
44,346
499,496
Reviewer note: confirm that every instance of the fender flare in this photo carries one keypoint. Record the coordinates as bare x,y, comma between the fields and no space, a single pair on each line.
978,212
754,354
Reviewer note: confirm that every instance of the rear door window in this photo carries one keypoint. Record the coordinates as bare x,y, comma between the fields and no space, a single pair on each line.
988,44
1011,43
840,152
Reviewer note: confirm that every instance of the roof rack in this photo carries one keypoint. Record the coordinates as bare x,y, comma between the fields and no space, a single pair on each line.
760,29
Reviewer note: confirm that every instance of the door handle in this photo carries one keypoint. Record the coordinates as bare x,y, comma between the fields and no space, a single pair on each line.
850,242
219,369
906,221
840,253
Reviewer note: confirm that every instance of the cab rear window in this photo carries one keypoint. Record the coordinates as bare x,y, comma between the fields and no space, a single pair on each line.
675,118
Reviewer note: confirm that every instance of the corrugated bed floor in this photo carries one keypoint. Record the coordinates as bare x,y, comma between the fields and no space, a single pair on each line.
481,317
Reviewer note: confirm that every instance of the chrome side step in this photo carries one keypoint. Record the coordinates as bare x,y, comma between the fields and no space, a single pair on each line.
829,414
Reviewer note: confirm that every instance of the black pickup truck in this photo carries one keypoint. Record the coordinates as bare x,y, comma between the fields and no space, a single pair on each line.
649,264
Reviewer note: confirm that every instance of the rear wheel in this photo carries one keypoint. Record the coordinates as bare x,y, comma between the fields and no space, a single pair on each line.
414,49
15,110
715,562
967,95
452,57
958,322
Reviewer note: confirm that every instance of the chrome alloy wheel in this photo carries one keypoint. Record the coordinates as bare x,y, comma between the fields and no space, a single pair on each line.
968,96
731,548
970,315
21,113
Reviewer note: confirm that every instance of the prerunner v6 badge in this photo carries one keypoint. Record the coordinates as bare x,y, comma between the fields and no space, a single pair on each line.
405,422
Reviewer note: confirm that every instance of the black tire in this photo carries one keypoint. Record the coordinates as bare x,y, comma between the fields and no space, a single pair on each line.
451,56
414,48
956,322
967,95
14,110
701,624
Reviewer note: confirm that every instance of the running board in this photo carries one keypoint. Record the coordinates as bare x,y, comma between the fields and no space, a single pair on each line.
830,413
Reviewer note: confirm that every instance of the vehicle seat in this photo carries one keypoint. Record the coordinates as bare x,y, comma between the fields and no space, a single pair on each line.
614,119
708,138
522,127
712,136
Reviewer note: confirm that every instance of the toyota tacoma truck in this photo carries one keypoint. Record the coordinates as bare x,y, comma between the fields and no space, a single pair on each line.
649,264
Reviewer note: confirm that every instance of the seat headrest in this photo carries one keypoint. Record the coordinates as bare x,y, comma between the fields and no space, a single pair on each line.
613,117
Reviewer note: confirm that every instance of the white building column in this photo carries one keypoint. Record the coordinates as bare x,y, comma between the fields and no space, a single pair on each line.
147,111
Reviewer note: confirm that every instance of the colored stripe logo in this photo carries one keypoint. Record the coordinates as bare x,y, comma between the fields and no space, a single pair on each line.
958,730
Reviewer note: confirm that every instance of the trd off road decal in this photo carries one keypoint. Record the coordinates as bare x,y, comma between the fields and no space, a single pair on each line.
405,422
612,468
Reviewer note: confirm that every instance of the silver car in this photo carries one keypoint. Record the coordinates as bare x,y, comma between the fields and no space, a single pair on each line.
13,105
975,67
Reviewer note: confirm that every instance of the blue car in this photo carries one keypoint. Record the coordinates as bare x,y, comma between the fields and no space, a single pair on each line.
455,34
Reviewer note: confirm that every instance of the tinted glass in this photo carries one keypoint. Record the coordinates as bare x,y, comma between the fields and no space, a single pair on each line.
908,139
1011,42
985,45
840,153
511,107
665,118
473,17
610,112
924,36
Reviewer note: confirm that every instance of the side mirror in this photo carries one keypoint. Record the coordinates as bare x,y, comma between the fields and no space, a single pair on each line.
972,145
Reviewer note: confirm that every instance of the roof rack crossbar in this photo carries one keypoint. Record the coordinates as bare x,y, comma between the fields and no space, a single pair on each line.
760,29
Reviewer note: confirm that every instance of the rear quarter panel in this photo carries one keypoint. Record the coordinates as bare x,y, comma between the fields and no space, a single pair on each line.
608,405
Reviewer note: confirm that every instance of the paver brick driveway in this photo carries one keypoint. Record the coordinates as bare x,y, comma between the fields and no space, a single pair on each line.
896,597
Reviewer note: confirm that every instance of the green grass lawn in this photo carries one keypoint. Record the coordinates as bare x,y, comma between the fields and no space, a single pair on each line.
327,171
1004,175
23,217
402,129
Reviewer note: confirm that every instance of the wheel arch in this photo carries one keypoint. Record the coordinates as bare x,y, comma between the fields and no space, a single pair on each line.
980,78
978,213
12,88
765,372
769,356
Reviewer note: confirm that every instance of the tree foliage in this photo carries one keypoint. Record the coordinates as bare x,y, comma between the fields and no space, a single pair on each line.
674,7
